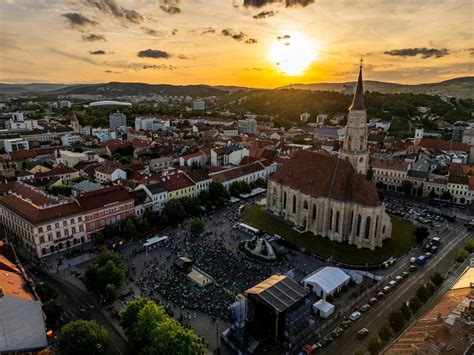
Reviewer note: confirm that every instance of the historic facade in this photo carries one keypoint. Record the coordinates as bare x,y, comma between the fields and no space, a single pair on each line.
331,196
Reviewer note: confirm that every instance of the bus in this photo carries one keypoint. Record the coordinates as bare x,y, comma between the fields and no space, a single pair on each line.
153,242
248,229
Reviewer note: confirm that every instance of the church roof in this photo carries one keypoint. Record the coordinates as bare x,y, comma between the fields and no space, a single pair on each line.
321,175
358,101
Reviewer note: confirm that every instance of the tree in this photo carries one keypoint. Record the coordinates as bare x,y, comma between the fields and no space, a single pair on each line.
469,246
46,291
111,293
407,187
374,345
129,226
52,309
437,279
143,224
422,294
385,332
218,194
446,195
174,211
129,316
98,238
197,226
405,311
82,337
61,189
461,255
414,304
360,351
396,320
107,269
421,233
432,194
430,288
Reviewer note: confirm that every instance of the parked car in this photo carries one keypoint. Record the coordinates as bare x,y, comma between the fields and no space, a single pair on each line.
362,333
413,268
413,260
405,274
373,301
337,332
399,278
355,315
346,324
365,307
428,255
386,289
392,283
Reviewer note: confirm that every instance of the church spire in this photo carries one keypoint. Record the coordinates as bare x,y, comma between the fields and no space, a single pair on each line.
358,101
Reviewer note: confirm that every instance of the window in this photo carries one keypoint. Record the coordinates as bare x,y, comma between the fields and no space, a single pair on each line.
294,203
367,227
284,200
58,235
337,221
64,223
56,225
359,221
40,230
305,205
352,220
383,230
314,211
41,239
330,219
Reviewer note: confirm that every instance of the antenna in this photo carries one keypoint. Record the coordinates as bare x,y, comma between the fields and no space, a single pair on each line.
361,61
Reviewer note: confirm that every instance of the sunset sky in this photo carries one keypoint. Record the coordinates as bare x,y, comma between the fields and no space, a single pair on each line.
260,43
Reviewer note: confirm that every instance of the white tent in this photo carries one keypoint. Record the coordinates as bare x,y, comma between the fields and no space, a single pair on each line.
326,281
323,308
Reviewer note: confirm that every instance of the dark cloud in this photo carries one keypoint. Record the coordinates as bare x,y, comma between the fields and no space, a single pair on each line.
153,53
93,37
282,38
150,31
79,21
287,3
159,67
111,8
174,31
170,6
471,51
251,41
112,72
238,36
184,57
97,52
208,30
424,52
264,14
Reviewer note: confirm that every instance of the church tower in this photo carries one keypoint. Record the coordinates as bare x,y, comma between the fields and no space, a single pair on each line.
355,143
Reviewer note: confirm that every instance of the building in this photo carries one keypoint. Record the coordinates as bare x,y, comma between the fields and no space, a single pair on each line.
70,139
329,132
117,120
178,185
248,173
331,196
228,155
468,137
151,124
199,105
321,118
160,164
105,207
43,224
194,159
64,104
157,196
14,145
109,172
390,172
71,159
201,179
305,116
18,123
248,126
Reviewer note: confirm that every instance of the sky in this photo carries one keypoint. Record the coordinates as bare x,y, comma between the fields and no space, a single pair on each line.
257,43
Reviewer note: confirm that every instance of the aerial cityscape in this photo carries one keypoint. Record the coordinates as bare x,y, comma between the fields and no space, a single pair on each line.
236,177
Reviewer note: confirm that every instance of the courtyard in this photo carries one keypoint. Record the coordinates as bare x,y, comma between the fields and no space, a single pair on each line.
401,242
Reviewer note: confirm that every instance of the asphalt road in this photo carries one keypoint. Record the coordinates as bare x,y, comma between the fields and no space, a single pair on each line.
78,304
374,318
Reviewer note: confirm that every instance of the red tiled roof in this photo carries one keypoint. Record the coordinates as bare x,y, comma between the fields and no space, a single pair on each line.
176,182
20,155
321,175
97,199
440,144
60,169
234,173
108,168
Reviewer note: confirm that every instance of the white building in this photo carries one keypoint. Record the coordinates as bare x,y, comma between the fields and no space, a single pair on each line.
248,126
199,105
305,116
64,104
248,173
160,164
103,134
70,139
157,196
228,155
151,124
117,120
109,173
17,122
13,145
321,118
71,159
327,281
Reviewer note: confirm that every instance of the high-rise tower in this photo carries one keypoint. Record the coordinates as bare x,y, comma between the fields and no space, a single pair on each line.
355,143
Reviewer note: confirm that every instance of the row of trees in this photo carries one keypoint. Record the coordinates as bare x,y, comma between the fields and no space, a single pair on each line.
397,319
151,331
465,250
82,337
106,275
243,187
48,294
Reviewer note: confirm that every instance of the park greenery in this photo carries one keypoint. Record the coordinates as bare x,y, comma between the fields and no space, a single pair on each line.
60,189
82,337
106,275
48,294
463,252
197,227
151,331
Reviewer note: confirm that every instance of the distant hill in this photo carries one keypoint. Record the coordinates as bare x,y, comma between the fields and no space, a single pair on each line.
460,87
30,88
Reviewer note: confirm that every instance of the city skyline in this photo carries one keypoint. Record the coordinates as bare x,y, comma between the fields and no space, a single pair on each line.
241,42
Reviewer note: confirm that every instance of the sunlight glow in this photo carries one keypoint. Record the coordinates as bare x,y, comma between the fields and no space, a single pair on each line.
293,53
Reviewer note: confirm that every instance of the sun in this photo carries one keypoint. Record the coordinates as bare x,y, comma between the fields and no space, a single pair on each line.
292,53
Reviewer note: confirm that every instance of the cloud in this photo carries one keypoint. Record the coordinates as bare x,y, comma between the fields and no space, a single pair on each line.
238,36
174,31
470,50
79,21
93,37
170,6
112,72
424,52
159,67
97,52
251,41
264,14
208,30
184,57
150,31
153,53
281,38
287,3
111,8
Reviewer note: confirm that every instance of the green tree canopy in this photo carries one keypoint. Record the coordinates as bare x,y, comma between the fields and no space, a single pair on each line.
107,269
415,304
219,196
197,226
385,332
174,212
421,233
396,320
46,291
405,311
82,337
52,309
437,278
374,345
422,294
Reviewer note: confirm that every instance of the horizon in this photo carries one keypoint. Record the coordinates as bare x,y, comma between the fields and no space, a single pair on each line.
259,44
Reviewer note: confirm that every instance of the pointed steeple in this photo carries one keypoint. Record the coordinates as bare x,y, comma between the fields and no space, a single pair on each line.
358,101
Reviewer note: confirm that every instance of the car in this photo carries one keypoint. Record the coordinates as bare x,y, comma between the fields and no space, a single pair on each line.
373,300
386,289
434,249
380,295
428,255
413,268
337,332
399,278
362,333
392,283
405,274
346,324
355,315
365,307
357,306
412,260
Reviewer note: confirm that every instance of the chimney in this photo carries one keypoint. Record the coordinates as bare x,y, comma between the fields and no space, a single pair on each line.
1,292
